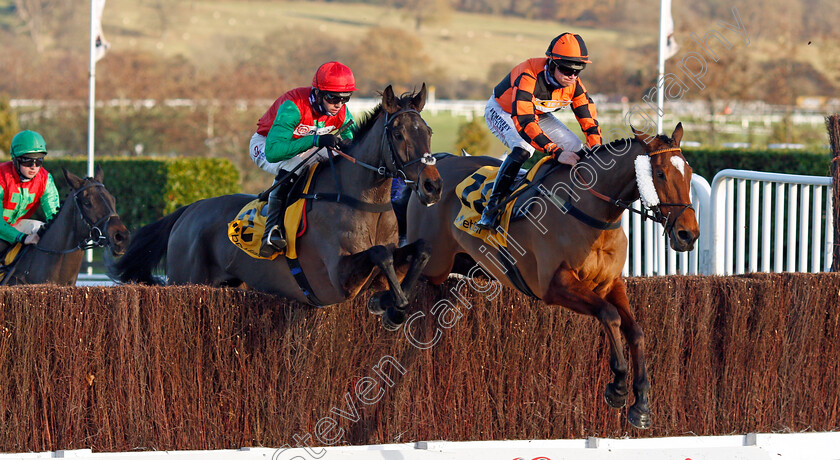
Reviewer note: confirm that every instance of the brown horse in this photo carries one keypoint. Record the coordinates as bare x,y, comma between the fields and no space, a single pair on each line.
568,248
87,219
351,228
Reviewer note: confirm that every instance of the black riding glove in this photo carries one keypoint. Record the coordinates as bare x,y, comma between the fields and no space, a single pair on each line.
326,140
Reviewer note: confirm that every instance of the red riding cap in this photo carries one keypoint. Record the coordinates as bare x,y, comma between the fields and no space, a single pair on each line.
334,77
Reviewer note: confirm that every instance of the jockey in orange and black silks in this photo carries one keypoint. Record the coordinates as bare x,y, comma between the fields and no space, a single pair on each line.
531,90
24,187
520,110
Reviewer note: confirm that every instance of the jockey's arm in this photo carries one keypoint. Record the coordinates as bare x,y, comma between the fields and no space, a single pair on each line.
587,116
50,200
7,232
524,113
280,143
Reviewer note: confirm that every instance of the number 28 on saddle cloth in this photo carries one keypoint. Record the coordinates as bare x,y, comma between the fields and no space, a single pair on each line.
246,230
474,192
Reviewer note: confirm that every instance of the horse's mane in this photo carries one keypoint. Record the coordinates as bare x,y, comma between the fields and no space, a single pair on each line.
617,145
367,120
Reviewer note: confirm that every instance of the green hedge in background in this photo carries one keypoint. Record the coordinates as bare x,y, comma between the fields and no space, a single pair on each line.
146,189
708,162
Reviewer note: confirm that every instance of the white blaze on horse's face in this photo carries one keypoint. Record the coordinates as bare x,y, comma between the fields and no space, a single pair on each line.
644,179
678,163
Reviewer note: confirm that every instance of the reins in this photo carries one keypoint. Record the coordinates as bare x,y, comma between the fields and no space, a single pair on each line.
394,168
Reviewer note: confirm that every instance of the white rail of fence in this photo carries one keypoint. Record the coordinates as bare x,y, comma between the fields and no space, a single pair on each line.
648,252
750,221
781,222
753,446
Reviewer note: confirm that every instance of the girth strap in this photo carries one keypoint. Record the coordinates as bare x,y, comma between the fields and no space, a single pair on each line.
513,273
303,283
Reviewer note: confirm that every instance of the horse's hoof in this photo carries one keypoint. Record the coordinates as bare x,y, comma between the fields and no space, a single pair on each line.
393,319
638,418
379,302
614,396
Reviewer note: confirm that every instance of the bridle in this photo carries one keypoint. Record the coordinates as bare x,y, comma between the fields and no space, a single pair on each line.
653,213
96,236
393,165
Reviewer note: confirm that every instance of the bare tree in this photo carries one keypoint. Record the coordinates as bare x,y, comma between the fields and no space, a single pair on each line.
42,19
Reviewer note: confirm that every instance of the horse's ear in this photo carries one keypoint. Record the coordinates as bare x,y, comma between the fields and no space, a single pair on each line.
642,136
98,174
389,100
678,133
73,180
419,99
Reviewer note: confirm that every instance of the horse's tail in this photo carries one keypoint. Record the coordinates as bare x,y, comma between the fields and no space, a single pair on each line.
147,249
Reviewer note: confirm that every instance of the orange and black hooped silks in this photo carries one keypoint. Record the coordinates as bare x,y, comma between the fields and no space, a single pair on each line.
524,93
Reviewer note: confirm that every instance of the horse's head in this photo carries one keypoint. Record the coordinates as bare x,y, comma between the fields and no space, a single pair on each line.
97,208
409,139
664,180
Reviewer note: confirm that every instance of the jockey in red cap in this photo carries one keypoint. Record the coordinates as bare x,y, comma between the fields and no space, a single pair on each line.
297,128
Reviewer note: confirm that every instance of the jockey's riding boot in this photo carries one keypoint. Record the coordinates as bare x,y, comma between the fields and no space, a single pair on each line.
504,180
273,239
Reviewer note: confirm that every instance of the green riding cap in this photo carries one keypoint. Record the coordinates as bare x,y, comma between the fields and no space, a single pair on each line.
28,142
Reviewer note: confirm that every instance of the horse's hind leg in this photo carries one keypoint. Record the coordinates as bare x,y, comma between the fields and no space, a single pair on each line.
567,290
639,413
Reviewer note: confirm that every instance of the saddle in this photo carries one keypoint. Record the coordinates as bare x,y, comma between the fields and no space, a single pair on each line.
8,256
245,231
474,192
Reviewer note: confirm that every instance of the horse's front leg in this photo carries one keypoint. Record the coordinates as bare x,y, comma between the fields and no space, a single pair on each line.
566,289
639,412
411,260
356,271
382,258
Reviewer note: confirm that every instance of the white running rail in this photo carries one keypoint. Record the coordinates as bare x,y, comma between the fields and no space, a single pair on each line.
750,221
648,252
770,222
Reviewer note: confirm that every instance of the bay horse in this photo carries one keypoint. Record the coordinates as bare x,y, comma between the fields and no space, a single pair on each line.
87,219
568,249
344,242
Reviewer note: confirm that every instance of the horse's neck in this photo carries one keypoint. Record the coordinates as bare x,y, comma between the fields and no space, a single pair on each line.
614,177
363,183
63,231
38,266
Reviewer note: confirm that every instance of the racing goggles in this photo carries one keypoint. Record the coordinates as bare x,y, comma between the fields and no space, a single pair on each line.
334,98
568,72
30,162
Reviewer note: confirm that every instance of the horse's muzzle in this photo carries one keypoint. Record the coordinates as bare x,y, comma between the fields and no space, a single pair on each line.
118,236
683,235
430,186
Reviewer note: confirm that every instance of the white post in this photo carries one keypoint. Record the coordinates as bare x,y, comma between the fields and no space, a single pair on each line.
660,97
91,108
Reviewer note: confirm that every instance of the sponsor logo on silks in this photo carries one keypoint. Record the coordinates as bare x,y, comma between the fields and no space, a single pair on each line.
303,130
550,105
